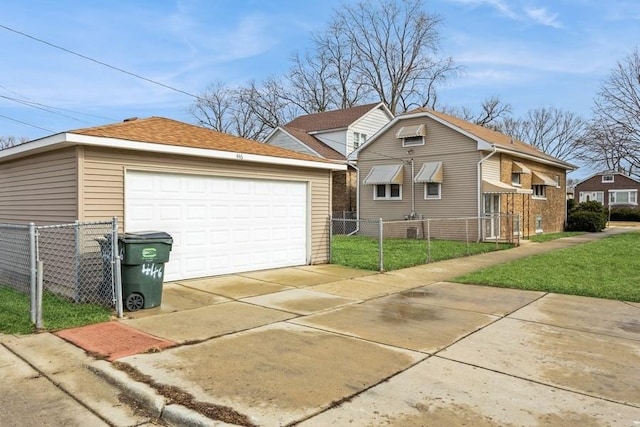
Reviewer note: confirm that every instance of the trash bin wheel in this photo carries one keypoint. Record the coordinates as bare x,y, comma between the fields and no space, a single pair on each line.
134,302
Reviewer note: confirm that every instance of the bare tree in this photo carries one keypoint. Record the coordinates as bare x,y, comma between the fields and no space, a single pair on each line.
492,112
613,140
395,48
555,132
10,141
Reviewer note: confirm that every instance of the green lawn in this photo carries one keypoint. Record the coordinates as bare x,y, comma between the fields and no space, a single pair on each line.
362,252
58,313
606,268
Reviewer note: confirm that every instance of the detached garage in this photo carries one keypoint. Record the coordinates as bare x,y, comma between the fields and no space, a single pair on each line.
230,204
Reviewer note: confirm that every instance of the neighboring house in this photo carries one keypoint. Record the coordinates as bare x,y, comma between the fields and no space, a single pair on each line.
230,204
612,189
333,135
426,164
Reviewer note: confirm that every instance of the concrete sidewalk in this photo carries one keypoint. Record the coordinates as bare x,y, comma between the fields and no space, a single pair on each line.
327,345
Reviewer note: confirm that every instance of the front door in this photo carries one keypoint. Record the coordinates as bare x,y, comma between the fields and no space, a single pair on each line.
492,214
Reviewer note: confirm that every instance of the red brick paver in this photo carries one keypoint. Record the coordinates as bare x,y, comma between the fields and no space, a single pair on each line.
113,340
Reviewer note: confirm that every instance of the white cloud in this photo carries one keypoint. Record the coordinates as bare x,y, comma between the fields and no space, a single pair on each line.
542,16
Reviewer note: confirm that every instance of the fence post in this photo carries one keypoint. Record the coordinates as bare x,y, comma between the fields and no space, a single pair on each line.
116,279
380,245
428,241
331,239
32,270
40,273
466,231
76,259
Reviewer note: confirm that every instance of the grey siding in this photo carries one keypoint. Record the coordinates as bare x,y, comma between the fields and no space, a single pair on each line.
103,183
336,140
41,188
459,188
281,139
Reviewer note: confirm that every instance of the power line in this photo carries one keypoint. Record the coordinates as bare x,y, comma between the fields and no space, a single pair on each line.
27,124
28,101
99,62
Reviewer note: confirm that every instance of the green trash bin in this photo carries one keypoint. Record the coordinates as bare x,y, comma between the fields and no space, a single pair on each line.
142,258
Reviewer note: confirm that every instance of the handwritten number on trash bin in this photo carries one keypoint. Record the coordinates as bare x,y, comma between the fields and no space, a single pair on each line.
152,270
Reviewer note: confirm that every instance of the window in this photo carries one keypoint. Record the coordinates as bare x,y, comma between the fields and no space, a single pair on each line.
432,190
387,192
588,196
539,191
412,141
358,139
623,197
515,179
607,178
538,223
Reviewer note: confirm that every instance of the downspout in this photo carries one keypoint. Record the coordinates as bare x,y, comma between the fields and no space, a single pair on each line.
357,198
479,167
413,191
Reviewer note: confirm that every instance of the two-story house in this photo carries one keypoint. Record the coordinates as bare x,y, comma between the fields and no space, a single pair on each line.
426,164
333,135
612,189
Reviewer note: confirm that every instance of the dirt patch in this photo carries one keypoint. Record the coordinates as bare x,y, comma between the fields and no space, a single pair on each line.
632,326
401,311
450,415
175,395
417,293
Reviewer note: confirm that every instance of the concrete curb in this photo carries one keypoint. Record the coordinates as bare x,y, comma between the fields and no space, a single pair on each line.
139,392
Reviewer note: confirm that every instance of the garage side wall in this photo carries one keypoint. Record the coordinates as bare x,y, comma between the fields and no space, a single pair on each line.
103,178
41,188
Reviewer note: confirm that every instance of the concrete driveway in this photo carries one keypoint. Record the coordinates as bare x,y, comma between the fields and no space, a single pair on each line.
328,345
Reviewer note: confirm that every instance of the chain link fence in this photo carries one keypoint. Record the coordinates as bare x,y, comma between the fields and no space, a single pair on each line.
77,262
389,245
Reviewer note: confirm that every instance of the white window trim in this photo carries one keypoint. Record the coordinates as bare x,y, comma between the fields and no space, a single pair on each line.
360,138
404,140
431,197
516,184
544,188
539,230
387,192
608,181
629,192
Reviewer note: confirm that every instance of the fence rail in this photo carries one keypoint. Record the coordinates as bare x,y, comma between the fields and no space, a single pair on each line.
77,262
468,233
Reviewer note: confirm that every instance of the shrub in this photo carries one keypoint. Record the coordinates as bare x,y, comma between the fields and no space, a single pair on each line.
625,214
587,216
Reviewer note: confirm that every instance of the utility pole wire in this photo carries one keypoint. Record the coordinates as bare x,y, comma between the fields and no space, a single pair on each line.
99,62
27,124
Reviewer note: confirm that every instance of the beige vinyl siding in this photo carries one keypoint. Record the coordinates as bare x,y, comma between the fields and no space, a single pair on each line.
103,181
459,158
41,188
281,139
491,169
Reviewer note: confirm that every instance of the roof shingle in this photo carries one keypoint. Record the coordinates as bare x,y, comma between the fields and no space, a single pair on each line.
159,130
335,119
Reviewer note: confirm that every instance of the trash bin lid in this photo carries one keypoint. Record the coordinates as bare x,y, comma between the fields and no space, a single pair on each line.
145,235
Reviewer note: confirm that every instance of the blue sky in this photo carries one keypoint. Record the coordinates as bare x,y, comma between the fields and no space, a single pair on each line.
531,53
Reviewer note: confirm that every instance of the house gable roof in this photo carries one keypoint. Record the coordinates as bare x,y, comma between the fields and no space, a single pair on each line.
171,136
479,133
335,119
606,173
314,143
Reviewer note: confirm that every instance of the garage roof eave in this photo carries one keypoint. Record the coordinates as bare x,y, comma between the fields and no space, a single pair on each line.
70,139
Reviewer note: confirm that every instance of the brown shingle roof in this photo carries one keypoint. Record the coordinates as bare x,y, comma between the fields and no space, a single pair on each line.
492,136
335,119
314,143
159,130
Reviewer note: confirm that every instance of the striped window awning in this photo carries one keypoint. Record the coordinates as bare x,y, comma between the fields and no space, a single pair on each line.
539,178
518,167
430,172
410,131
385,174
494,186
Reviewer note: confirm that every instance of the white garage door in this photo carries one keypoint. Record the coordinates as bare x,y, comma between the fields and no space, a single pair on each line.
220,225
